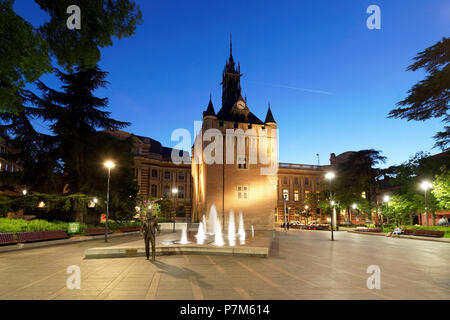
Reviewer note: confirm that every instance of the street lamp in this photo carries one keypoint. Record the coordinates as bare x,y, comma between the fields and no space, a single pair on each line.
109,165
24,192
174,192
330,175
425,185
307,213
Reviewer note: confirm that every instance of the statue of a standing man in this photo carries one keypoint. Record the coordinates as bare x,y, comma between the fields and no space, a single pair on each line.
148,231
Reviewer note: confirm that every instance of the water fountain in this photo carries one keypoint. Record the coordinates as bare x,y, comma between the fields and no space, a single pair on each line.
241,230
253,232
201,234
184,239
212,220
218,239
231,230
204,223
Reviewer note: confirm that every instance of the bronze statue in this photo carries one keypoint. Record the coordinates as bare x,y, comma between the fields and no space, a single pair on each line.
148,231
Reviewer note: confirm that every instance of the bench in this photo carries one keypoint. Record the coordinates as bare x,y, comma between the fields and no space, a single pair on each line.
41,235
96,231
7,238
429,233
129,229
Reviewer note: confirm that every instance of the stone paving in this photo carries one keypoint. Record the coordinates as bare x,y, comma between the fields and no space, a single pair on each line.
301,265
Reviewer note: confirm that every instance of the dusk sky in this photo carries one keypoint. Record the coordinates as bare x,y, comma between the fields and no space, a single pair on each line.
329,79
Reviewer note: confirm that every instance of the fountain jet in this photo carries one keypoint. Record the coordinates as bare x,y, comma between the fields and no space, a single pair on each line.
231,229
212,220
201,233
184,239
253,232
218,239
204,223
241,230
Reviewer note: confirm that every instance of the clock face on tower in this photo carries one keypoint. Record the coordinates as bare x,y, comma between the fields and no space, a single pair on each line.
240,105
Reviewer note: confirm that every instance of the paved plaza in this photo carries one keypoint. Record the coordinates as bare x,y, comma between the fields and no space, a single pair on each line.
301,265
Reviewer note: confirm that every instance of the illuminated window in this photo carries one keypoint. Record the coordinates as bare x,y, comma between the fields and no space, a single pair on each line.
306,193
363,195
286,194
296,195
242,162
242,192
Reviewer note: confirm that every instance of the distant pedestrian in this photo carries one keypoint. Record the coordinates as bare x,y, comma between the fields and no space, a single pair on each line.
287,225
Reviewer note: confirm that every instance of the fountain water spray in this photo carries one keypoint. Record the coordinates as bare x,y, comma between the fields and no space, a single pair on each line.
201,233
231,229
241,230
218,239
212,220
184,239
253,232
204,223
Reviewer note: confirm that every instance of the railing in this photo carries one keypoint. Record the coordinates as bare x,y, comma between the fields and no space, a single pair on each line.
297,166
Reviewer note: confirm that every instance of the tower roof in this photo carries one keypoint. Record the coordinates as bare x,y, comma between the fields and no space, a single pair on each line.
210,109
269,116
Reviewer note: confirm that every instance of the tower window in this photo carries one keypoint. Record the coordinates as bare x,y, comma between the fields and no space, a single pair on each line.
242,192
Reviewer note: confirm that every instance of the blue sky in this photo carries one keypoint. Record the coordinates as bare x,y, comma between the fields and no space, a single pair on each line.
161,78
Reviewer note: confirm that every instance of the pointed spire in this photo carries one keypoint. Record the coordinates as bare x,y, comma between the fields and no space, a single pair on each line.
269,116
231,44
210,110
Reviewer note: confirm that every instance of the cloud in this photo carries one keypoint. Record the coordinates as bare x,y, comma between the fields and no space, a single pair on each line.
292,88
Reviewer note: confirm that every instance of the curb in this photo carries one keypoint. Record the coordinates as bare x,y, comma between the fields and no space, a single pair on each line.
120,252
403,236
32,245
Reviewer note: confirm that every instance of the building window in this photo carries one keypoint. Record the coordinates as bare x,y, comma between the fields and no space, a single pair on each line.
181,176
284,180
306,193
181,192
154,173
296,180
286,194
306,181
154,190
242,192
166,175
242,162
296,195
166,192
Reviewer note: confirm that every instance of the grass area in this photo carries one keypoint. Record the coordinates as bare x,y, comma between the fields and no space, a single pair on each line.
19,225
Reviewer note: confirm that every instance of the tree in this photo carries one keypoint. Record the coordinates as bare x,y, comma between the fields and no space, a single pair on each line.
430,97
100,21
75,117
441,189
24,57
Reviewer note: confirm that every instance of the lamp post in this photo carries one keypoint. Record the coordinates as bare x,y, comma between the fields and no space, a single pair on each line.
284,205
24,192
330,176
109,165
307,213
386,199
174,192
425,186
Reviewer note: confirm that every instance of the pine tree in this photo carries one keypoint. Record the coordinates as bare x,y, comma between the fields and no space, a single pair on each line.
75,117
430,97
